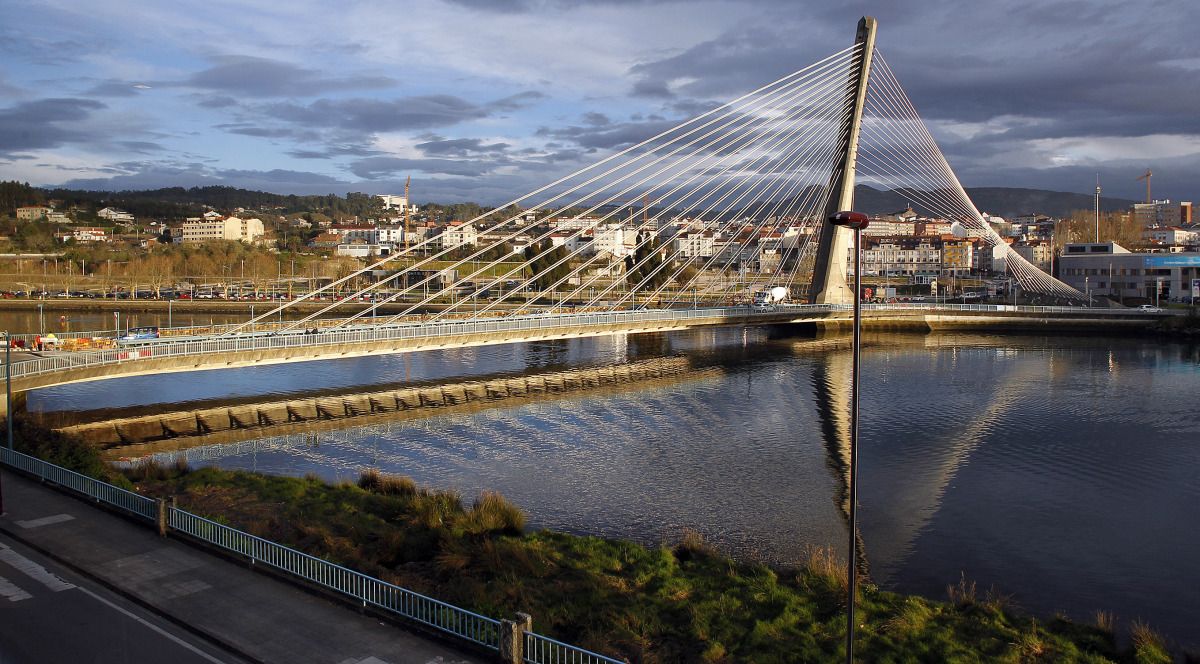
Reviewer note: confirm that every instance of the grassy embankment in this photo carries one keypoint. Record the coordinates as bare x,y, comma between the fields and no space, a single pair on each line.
685,603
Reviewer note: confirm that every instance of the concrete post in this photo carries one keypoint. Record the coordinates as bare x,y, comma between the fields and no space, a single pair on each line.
512,638
161,517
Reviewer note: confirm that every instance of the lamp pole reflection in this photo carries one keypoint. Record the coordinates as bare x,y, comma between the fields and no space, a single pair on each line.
855,221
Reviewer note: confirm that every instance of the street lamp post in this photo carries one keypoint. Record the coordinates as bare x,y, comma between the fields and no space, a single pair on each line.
855,221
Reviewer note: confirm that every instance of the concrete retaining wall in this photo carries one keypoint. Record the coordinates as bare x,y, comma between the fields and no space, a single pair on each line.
136,430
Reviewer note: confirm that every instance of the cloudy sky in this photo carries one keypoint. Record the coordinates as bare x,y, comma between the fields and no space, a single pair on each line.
487,99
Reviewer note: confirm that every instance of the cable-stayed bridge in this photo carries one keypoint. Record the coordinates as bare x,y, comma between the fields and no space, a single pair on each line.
679,230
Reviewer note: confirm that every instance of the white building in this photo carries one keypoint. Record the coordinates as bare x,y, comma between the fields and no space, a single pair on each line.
920,260
694,245
391,202
229,228
116,216
1171,235
614,240
456,236
89,234
362,250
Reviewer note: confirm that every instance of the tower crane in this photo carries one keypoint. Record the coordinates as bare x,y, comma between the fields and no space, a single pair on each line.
1146,176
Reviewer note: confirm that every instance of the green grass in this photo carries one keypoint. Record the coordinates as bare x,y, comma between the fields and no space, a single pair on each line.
682,603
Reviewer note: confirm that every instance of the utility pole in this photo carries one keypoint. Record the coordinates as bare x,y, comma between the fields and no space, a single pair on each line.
1098,207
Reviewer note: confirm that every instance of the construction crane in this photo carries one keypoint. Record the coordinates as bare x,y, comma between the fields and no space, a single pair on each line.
1146,177
407,209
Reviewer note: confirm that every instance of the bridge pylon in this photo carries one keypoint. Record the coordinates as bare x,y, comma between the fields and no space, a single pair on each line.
829,273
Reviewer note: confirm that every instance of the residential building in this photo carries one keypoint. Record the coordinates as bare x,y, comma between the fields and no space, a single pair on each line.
457,234
1111,270
33,212
229,228
116,216
391,202
917,258
1040,254
958,258
1171,235
614,240
362,250
694,244
89,234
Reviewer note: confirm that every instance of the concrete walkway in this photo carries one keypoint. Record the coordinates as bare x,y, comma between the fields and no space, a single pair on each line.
245,612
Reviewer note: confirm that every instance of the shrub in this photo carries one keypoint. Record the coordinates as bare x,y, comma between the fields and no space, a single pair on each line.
493,513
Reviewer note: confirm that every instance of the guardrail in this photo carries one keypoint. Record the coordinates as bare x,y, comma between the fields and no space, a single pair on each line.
545,650
514,645
369,333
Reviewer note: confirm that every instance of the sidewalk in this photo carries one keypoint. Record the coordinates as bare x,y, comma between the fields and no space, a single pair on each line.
246,612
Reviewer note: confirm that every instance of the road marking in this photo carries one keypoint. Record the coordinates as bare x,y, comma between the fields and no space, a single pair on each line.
45,521
152,626
10,591
33,570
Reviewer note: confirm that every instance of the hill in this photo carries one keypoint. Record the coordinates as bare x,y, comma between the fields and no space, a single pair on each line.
178,202
1003,201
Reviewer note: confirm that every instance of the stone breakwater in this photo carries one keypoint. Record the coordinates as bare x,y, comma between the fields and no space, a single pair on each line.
258,417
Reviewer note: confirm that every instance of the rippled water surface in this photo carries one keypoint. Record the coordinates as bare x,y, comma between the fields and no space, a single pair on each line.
1065,471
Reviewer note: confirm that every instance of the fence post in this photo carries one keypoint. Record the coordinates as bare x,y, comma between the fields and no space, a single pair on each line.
161,516
512,638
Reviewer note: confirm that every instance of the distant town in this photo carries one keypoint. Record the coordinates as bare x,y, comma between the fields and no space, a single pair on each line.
1148,253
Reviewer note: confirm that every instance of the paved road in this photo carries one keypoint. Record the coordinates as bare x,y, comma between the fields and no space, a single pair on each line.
50,614
211,599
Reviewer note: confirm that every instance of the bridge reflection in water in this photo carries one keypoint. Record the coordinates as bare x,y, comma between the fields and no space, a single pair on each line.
1036,464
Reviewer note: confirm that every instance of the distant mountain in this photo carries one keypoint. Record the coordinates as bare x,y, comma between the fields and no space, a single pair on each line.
1002,201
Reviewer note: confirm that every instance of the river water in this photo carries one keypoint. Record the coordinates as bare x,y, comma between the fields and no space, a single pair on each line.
1065,471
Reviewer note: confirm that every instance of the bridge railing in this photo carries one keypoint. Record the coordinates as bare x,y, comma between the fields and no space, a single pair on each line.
363,334
368,333
435,614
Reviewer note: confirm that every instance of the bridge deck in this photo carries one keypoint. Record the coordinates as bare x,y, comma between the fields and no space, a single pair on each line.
218,352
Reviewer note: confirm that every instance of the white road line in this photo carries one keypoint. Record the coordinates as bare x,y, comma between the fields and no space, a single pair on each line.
45,521
152,626
33,570
11,592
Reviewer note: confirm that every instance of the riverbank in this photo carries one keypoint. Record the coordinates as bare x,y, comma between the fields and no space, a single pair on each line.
650,604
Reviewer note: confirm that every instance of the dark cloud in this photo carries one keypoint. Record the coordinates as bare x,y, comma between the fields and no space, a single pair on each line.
373,168
331,151
245,129
516,102
250,76
113,89
596,119
373,115
460,147
215,101
140,147
45,123
607,136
